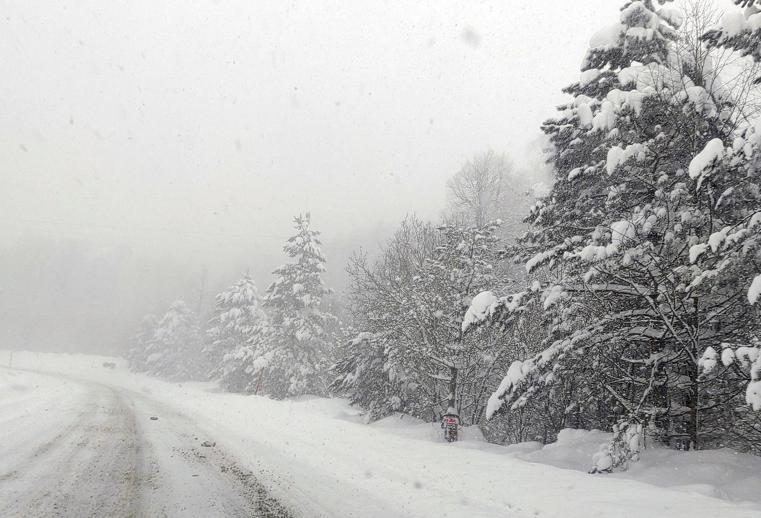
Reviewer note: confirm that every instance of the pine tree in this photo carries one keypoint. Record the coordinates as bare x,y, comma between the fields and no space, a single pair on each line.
594,135
295,347
740,30
637,197
137,356
737,361
174,351
232,335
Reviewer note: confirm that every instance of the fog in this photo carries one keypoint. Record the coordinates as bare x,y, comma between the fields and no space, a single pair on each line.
155,150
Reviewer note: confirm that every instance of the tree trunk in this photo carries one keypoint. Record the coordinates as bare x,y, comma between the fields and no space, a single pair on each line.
694,394
452,399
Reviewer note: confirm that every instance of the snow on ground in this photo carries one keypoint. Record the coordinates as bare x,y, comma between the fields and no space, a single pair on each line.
723,474
317,456
73,448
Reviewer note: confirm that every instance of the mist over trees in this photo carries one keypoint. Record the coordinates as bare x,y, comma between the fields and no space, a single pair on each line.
174,348
488,188
69,295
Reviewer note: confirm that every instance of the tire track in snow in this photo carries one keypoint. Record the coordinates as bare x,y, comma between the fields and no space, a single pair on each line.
79,472
177,461
106,457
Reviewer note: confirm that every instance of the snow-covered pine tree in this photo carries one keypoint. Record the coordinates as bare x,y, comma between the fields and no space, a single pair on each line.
231,337
175,351
137,355
576,216
739,30
295,347
622,233
739,360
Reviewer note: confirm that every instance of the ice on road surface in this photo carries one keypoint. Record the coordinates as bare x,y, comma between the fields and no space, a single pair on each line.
81,443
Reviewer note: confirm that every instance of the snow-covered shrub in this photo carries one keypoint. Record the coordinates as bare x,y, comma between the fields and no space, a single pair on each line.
623,448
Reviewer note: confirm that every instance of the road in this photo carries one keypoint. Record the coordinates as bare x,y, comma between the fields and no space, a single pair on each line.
73,448
80,442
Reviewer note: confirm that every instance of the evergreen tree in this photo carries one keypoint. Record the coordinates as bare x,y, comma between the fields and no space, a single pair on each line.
740,30
175,351
294,349
136,355
738,361
232,334
639,192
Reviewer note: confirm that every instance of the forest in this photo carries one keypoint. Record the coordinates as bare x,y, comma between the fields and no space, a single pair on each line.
620,295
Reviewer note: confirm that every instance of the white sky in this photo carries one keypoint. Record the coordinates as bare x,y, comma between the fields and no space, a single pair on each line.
201,124
157,148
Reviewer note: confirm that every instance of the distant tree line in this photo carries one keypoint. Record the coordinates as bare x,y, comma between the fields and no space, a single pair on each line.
280,344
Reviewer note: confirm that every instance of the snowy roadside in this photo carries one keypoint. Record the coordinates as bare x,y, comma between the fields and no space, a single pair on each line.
316,455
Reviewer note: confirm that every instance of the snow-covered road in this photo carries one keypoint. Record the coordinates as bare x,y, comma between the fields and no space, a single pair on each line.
80,448
78,440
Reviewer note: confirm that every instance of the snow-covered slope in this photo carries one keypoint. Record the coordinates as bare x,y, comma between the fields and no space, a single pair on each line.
316,455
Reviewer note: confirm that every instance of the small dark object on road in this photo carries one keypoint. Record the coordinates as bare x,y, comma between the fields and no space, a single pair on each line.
154,418
208,444
109,365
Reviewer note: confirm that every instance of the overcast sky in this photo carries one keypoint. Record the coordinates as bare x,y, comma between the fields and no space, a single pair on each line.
200,123
194,130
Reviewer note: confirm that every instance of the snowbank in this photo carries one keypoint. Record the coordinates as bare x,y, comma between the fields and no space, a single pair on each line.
316,455
723,474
